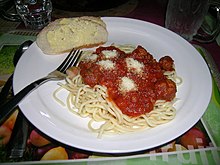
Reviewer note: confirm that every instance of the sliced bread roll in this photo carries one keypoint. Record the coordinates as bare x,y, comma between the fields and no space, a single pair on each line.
66,33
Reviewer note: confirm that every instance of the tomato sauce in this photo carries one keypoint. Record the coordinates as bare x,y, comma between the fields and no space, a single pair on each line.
150,84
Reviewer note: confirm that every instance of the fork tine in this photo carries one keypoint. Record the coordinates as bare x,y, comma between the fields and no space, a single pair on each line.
68,57
74,60
70,60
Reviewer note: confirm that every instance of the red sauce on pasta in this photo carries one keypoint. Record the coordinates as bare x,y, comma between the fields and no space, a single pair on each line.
134,81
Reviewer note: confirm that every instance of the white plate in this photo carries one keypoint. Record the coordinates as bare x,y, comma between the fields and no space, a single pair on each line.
58,123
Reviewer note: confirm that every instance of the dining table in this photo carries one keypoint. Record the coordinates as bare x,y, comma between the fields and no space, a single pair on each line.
39,148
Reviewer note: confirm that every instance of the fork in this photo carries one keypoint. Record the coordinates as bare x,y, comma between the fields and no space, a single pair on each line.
58,74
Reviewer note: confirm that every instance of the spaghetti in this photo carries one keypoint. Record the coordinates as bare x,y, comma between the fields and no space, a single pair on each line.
95,101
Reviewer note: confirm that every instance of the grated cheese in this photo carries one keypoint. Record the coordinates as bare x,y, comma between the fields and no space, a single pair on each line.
92,57
136,65
106,64
109,53
127,85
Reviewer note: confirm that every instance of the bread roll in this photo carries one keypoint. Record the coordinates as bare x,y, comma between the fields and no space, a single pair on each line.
64,34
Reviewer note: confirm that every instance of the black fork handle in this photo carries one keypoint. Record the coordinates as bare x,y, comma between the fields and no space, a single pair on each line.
9,107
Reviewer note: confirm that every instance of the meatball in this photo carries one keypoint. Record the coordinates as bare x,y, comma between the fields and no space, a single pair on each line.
166,63
165,89
141,53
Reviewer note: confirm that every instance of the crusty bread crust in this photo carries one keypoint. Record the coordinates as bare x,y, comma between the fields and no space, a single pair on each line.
64,34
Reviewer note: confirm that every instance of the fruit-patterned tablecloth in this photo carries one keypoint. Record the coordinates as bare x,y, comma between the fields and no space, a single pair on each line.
200,145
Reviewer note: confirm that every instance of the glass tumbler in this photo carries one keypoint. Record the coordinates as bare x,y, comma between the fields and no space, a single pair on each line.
35,14
210,28
185,17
